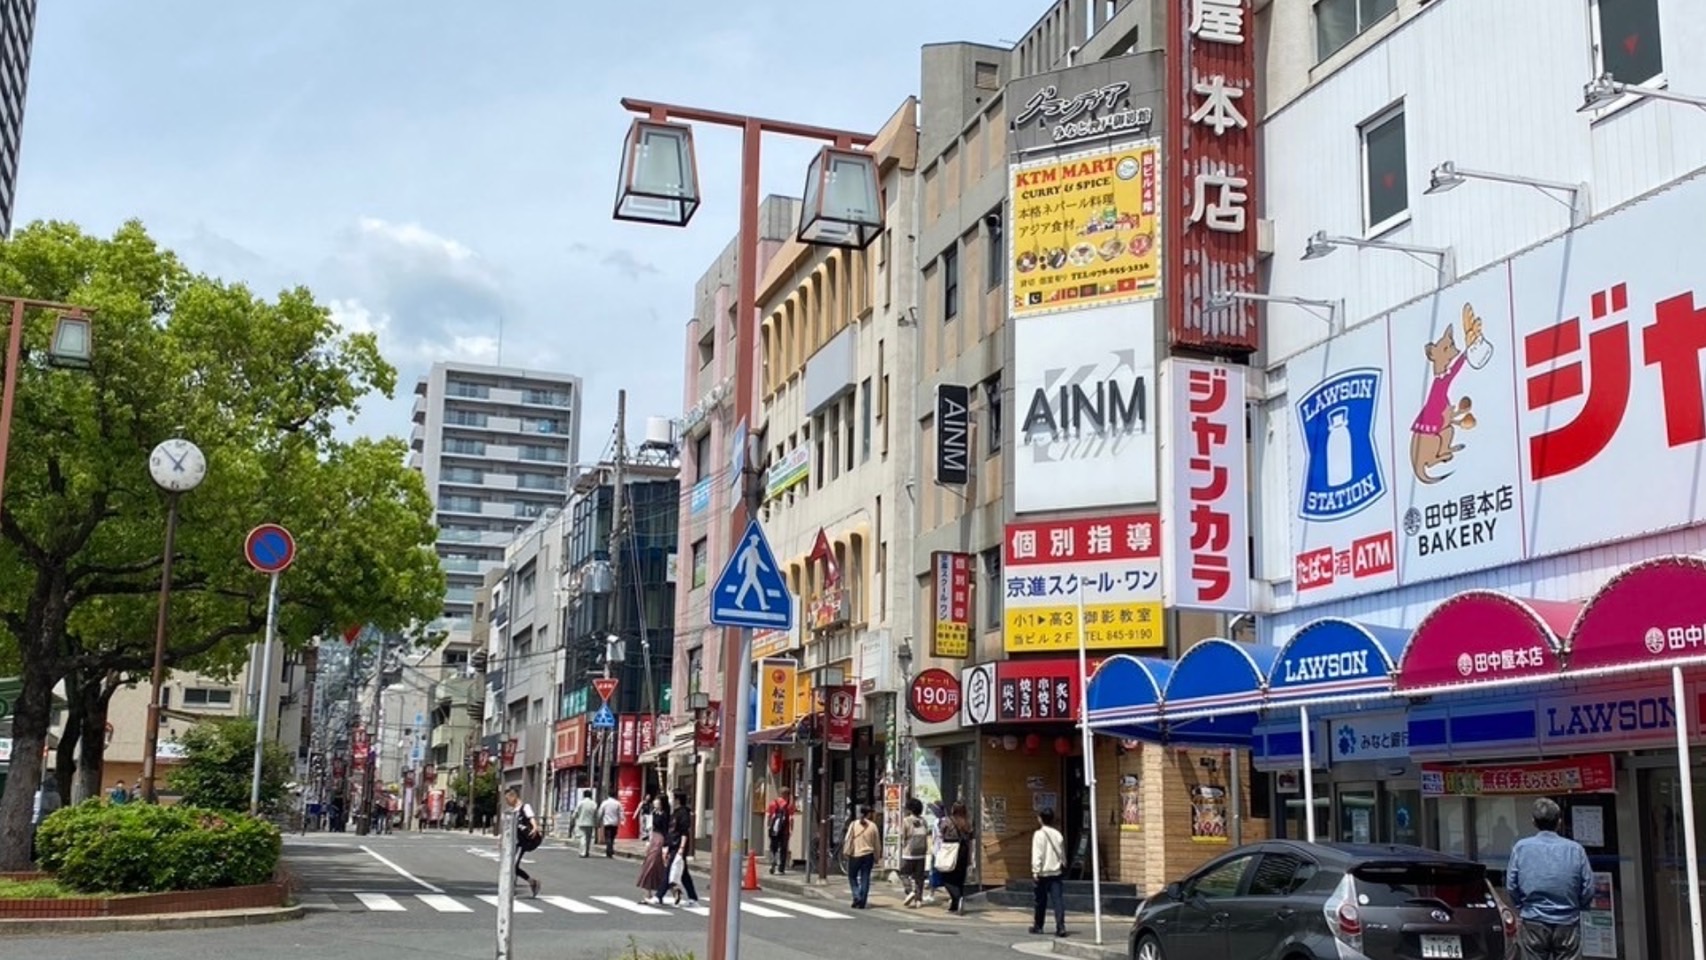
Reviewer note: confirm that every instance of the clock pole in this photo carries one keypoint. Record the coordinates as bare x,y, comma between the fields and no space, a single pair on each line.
151,739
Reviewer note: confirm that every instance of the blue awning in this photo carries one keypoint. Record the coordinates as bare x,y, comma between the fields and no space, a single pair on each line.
1218,678
1334,660
1125,696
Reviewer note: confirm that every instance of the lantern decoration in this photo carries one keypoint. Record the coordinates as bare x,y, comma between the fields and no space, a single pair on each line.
843,204
1032,742
775,761
660,182
1063,746
1010,742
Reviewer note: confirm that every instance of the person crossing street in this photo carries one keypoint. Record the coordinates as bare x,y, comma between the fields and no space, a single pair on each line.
528,835
586,821
609,818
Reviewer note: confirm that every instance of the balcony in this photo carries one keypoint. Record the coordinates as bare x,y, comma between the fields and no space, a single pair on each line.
420,411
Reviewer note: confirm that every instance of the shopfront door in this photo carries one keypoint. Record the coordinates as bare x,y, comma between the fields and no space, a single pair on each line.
1664,859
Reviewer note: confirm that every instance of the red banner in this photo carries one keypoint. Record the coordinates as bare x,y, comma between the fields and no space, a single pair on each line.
482,760
570,744
840,704
1595,773
935,696
429,774
706,726
509,749
628,738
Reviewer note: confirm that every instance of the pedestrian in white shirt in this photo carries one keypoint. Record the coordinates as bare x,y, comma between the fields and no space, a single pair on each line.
1048,865
609,818
586,821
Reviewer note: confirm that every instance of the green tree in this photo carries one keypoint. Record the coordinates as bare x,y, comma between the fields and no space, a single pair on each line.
260,386
219,764
482,797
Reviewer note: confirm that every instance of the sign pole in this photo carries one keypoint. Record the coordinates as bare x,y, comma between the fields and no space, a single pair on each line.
261,685
507,851
1089,763
1308,777
735,768
1685,773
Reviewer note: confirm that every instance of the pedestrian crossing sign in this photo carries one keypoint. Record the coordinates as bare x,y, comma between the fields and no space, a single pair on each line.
751,592
604,719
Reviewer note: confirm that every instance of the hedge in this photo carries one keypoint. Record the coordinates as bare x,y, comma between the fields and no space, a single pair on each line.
143,848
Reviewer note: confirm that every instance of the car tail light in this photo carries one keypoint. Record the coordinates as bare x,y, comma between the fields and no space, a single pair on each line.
1350,923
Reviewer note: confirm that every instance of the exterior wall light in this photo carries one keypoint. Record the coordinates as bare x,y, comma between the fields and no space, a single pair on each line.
1334,313
1603,91
1449,176
1320,244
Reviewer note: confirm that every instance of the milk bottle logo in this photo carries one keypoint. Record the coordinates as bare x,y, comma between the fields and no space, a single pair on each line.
1336,419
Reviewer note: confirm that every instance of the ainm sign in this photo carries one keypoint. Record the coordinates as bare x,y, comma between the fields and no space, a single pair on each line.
1075,409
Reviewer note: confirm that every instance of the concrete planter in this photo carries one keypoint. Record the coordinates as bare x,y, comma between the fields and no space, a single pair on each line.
258,897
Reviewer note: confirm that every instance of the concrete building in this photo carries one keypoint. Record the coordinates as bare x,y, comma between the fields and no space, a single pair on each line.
17,34
836,420
1518,368
495,445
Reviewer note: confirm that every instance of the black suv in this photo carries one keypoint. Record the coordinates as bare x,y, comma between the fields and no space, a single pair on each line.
1287,900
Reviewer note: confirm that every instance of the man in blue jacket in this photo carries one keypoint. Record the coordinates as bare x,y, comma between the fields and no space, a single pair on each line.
1550,883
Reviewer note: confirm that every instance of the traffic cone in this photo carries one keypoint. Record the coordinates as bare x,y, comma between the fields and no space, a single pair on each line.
750,881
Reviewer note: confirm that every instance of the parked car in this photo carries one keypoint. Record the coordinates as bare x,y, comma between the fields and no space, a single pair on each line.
1287,900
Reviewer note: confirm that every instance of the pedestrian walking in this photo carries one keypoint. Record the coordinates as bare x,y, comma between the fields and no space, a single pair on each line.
677,844
586,821
118,796
953,855
1048,867
1550,882
779,826
654,869
528,835
861,845
609,818
914,851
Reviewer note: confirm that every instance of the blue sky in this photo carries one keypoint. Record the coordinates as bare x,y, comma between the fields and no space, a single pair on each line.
430,167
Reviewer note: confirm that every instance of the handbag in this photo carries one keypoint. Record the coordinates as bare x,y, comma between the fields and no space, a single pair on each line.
948,856
677,867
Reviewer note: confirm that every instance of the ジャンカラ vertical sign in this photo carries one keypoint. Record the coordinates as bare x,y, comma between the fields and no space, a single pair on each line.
1211,159
950,585
1208,554
953,434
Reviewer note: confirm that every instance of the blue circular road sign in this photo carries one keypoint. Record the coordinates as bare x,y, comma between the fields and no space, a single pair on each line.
270,548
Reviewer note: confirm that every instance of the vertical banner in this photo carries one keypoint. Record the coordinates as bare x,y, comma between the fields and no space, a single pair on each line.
777,684
1206,516
953,434
628,738
707,724
839,710
1211,159
950,590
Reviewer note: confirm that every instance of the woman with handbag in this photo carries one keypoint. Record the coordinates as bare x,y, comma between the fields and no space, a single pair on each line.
954,855
654,870
680,835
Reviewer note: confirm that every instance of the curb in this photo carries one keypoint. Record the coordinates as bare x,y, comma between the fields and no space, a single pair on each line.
150,922
1087,951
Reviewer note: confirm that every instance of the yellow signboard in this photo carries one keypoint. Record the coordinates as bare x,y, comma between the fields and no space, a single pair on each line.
770,643
776,692
805,703
1111,626
1086,229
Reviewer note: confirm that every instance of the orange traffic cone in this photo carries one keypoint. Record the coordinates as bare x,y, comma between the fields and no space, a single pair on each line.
750,881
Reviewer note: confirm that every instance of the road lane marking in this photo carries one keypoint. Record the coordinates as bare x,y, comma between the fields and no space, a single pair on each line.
400,871
702,911
804,908
443,904
573,906
623,903
759,911
380,903
520,907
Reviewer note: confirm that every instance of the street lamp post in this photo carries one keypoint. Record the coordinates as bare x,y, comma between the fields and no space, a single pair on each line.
660,185
177,467
71,347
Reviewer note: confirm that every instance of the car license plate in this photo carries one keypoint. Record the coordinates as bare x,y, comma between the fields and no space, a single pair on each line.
1447,948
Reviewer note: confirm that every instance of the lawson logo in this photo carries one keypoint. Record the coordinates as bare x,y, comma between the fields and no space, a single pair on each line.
1604,717
1341,473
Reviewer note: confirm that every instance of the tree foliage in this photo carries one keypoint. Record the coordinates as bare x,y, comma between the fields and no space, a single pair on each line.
260,386
218,766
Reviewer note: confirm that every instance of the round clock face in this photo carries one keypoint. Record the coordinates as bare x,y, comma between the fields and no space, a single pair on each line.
177,465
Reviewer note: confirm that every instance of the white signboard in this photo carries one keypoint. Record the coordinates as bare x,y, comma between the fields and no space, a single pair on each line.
1205,509
1084,386
1371,736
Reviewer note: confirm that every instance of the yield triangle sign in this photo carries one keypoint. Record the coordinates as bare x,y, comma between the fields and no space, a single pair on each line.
605,687
751,592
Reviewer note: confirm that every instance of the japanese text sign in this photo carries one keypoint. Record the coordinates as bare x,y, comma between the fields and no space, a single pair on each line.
776,691
1086,229
951,595
1207,560
628,738
1594,773
769,643
570,748
840,704
934,696
1011,691
1107,567
1211,163
1094,101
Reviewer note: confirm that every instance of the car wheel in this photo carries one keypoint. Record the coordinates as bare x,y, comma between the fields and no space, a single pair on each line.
1148,948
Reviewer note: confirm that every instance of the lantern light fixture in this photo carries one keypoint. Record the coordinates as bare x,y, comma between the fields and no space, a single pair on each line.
660,180
843,200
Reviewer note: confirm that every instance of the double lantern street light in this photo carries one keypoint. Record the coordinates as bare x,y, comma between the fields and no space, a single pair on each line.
842,206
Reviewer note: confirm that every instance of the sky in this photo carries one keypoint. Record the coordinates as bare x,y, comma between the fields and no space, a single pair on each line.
443,173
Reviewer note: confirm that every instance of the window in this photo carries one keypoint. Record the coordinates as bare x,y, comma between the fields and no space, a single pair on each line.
995,270
865,420
951,282
992,592
1280,875
848,423
700,559
883,266
1221,880
1338,22
206,697
992,412
1386,200
986,76
702,456
471,447
1626,39
708,346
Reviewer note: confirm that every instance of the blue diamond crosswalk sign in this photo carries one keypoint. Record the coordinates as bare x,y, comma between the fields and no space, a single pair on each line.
751,592
603,719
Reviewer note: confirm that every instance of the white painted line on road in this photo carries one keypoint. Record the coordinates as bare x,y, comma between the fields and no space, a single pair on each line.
573,906
804,908
700,910
443,904
400,871
759,911
520,907
623,903
380,903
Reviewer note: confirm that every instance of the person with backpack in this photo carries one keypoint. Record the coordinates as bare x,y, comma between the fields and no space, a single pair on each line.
528,835
914,850
779,825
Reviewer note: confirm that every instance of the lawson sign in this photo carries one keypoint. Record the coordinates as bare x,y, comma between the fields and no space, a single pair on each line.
1602,717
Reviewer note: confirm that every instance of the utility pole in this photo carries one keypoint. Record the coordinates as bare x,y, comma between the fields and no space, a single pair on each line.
618,519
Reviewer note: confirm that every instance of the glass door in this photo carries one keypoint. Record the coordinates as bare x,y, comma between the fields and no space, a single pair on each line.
1665,856
1358,814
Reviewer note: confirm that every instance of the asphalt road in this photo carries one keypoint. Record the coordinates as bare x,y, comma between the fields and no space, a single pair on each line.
423,896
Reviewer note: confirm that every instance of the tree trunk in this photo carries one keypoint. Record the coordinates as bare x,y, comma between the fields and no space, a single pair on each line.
99,696
65,756
30,717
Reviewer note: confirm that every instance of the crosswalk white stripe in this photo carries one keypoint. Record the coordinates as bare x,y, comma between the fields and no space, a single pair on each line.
573,906
443,904
380,903
520,906
759,911
804,908
700,910
624,903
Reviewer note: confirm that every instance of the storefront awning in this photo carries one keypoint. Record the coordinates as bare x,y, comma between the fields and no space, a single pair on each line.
1650,616
1335,661
1218,678
1125,696
1485,638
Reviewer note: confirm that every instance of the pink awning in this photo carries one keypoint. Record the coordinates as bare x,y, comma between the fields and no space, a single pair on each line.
1653,614
1480,637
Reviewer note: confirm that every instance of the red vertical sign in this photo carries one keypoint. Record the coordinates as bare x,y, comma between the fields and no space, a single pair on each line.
627,738
1211,152
841,702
